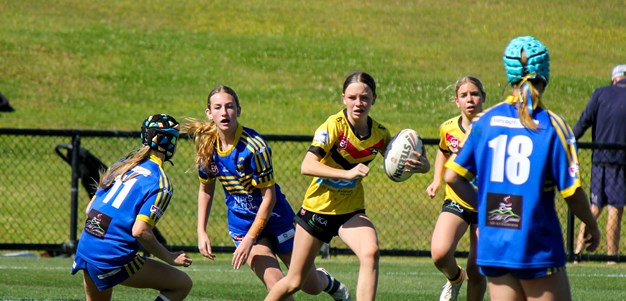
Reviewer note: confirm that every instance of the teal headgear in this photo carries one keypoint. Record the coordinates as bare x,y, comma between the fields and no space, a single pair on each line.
160,132
538,59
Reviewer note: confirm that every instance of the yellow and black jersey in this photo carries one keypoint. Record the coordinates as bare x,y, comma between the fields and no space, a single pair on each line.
338,146
451,136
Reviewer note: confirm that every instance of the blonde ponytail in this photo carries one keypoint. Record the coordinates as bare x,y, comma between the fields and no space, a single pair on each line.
120,169
204,135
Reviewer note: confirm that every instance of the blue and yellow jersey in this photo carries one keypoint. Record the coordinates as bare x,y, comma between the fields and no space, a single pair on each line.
243,170
451,135
107,240
518,170
339,147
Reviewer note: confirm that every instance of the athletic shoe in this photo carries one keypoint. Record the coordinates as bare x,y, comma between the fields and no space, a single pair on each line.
450,291
337,290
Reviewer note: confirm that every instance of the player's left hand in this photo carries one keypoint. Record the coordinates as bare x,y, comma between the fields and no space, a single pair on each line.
419,165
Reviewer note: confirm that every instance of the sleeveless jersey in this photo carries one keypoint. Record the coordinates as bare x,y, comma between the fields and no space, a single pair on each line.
338,146
107,240
451,135
243,170
518,170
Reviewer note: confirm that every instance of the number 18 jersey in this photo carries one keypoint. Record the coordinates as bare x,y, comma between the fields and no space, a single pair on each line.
517,170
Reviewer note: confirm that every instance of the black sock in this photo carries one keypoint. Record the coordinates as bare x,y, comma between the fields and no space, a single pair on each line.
455,278
333,285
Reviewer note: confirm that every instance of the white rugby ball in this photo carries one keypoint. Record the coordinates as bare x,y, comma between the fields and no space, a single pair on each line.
399,149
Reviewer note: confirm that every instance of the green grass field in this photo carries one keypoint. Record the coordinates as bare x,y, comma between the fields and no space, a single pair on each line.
94,65
410,279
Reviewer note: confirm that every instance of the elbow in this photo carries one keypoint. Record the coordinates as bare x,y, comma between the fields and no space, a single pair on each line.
450,177
141,230
304,170
138,233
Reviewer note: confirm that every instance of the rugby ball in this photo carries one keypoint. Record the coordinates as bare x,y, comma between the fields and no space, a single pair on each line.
399,149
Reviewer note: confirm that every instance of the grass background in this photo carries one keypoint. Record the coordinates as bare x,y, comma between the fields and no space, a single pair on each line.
401,278
95,65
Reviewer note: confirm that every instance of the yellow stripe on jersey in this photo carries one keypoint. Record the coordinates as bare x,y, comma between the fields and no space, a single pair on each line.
566,137
262,160
233,185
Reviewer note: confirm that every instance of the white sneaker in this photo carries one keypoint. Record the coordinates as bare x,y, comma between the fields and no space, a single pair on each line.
338,291
450,292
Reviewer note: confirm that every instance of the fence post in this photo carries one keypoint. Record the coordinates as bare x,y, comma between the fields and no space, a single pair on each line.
70,247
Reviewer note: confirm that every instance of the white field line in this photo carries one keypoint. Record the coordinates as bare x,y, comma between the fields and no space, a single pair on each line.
219,270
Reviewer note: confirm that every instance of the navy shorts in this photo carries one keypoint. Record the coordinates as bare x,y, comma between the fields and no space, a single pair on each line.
323,226
106,278
608,185
470,217
281,238
523,274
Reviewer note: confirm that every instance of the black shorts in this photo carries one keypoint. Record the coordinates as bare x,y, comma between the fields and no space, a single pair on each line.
470,217
323,226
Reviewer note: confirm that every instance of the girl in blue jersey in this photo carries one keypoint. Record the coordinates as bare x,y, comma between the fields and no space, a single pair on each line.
334,204
519,152
260,220
132,197
456,215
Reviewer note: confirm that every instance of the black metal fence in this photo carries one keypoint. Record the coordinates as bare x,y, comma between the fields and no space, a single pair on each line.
46,177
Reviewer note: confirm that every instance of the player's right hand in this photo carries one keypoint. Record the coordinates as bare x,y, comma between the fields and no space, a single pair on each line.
359,171
204,246
182,259
432,189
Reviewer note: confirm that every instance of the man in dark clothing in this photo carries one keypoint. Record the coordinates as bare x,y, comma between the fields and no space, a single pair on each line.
605,114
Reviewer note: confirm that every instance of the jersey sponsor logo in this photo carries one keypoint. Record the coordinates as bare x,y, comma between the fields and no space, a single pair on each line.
321,137
453,143
338,184
507,122
156,210
504,210
140,170
240,170
573,170
571,140
97,223
343,142
213,169
245,202
266,172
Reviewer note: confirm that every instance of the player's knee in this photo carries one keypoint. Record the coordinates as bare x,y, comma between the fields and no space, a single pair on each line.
184,284
440,255
369,254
